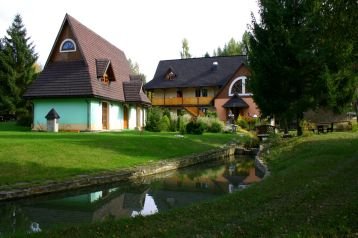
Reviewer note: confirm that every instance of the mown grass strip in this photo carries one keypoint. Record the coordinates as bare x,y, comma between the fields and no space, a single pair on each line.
312,192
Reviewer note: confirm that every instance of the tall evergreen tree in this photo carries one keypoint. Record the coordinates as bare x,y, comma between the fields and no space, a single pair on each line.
17,71
287,55
338,49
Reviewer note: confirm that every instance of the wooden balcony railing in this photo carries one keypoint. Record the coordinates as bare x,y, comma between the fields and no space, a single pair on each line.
181,101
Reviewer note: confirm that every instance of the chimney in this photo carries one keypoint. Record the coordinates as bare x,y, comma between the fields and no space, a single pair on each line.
215,66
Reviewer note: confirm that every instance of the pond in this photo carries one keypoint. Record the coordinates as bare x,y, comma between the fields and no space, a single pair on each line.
144,197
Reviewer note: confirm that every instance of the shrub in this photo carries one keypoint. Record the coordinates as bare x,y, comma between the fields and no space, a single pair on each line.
211,124
25,119
181,125
212,114
355,127
173,124
153,119
205,121
252,142
164,123
242,122
216,126
195,127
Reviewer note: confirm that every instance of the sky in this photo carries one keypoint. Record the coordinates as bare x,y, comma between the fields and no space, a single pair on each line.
147,31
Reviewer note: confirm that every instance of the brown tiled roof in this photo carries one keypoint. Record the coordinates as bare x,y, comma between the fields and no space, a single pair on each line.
57,80
80,78
101,66
133,92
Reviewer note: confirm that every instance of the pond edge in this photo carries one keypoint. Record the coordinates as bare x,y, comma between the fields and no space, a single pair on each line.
23,190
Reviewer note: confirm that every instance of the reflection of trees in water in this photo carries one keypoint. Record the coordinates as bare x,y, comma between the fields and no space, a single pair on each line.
243,167
204,172
12,219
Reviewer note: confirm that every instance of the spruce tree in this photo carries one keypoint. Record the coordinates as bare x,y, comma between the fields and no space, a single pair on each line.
293,69
17,71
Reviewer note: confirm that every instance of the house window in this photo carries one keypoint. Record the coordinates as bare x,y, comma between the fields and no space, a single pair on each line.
247,86
179,94
68,45
105,79
170,75
204,92
201,92
239,87
204,109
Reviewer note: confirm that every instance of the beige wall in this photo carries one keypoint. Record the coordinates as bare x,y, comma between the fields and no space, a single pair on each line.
187,92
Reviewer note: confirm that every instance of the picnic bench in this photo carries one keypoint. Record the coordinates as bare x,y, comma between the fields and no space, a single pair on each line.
325,127
263,131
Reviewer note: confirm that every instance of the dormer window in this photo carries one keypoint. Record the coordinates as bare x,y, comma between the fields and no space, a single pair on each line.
68,45
170,75
105,79
105,71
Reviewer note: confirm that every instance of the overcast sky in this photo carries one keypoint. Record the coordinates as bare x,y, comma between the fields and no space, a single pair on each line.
146,30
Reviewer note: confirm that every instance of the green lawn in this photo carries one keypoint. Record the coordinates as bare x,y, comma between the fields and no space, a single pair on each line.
37,156
312,192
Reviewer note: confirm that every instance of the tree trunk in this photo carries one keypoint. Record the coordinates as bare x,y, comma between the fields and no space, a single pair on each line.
285,126
299,128
356,110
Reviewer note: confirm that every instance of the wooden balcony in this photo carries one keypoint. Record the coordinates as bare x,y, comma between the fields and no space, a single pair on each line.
181,101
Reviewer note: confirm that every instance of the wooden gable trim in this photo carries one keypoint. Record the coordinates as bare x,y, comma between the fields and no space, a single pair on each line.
233,77
53,49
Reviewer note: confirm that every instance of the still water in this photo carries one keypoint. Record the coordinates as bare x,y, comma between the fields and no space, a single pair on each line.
144,197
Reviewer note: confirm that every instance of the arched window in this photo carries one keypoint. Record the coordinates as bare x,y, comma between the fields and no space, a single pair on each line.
239,87
68,45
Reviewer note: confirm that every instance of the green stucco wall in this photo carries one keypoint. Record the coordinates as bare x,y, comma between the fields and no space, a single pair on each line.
72,112
78,114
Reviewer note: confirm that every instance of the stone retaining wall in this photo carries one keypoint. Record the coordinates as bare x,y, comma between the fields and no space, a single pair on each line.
81,181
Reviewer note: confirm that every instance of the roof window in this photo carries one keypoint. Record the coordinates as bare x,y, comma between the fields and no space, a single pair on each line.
170,75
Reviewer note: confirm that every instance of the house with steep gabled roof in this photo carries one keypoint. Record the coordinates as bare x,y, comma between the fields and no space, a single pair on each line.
88,81
198,85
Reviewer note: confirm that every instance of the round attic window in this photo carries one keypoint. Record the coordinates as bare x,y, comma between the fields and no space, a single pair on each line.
68,45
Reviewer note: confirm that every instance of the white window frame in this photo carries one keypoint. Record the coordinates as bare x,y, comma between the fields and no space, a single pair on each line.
63,42
243,80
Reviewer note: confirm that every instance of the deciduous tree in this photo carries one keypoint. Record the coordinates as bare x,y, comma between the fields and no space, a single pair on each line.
135,70
184,54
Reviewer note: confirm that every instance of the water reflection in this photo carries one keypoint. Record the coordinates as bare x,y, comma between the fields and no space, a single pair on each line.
146,196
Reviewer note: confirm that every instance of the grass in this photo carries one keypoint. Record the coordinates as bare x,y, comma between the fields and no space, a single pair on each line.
38,156
312,192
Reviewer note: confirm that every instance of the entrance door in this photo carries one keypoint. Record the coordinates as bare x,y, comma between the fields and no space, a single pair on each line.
125,117
104,115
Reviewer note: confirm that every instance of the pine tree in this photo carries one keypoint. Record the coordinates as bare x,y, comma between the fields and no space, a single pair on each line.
17,71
